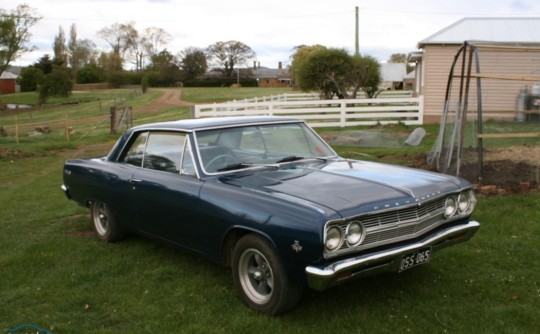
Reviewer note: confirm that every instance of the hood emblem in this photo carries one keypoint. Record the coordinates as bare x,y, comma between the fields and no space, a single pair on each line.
296,246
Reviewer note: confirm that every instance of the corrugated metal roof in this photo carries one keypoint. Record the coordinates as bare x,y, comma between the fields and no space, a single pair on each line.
393,71
8,75
488,29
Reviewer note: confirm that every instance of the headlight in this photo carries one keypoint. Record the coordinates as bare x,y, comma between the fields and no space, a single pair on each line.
450,207
333,238
355,233
464,202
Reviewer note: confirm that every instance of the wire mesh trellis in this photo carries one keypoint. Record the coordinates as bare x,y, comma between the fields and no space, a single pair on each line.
509,69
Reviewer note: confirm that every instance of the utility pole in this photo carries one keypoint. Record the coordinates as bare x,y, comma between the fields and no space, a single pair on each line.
357,46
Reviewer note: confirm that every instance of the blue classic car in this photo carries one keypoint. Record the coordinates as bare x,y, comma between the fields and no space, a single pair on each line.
269,198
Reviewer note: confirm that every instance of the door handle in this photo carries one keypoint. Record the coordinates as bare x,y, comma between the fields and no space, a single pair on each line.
134,182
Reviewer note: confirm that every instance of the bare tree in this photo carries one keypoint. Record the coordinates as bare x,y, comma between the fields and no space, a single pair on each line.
225,55
148,45
137,53
155,40
15,33
121,37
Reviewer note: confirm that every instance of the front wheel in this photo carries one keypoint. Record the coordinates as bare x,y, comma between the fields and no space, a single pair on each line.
260,278
104,224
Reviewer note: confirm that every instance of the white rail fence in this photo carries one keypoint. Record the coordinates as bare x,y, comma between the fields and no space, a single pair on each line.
324,113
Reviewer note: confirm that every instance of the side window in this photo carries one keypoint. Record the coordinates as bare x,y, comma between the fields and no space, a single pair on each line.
160,150
164,151
135,154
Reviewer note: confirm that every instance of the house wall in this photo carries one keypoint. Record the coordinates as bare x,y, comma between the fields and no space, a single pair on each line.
499,97
273,83
7,86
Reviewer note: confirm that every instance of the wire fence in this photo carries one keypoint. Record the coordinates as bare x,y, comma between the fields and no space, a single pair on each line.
70,122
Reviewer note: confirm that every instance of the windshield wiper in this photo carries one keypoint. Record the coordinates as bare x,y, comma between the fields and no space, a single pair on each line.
243,165
290,158
234,167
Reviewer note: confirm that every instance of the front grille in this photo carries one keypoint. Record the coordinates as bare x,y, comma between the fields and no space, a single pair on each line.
397,225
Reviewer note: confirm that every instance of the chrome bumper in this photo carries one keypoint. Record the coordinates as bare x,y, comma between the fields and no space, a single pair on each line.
385,260
65,189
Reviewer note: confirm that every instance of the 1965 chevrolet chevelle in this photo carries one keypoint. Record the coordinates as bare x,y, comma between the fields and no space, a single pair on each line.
269,198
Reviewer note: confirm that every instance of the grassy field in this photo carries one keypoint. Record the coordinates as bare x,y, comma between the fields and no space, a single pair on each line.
55,274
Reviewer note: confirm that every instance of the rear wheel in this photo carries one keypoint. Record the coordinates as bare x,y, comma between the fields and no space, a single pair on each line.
104,224
260,278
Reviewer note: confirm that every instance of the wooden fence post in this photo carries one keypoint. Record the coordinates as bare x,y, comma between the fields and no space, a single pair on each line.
113,119
66,125
17,126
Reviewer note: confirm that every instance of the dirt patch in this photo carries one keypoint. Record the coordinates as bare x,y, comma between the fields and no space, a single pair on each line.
6,153
504,173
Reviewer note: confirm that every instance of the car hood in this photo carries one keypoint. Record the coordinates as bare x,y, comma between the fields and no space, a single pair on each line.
349,187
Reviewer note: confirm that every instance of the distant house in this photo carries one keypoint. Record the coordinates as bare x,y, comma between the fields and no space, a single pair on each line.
271,77
8,83
392,75
437,52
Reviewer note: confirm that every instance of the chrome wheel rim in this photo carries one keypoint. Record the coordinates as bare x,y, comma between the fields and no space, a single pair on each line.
256,276
101,218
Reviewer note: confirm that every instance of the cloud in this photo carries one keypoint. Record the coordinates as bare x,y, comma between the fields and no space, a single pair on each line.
271,28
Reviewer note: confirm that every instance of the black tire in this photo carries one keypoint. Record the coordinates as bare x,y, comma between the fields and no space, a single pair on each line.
104,224
260,278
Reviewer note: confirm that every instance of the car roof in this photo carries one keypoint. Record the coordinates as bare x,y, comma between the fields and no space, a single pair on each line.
215,122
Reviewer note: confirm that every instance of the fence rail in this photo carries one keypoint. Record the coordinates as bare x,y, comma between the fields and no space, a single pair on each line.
325,113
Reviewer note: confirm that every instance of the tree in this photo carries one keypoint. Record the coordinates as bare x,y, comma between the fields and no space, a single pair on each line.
301,53
30,78
90,73
168,72
225,55
155,40
110,62
193,62
334,72
327,71
57,83
366,75
146,45
80,52
44,64
121,37
59,48
400,58
15,33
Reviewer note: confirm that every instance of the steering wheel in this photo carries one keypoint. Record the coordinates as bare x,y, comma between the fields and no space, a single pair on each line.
222,159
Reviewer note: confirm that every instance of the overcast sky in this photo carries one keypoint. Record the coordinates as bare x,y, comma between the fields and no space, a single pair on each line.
271,28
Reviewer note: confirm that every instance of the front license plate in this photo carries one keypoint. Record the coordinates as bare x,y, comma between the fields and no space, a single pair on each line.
410,260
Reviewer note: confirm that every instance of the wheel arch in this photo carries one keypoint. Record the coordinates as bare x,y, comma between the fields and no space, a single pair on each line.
236,233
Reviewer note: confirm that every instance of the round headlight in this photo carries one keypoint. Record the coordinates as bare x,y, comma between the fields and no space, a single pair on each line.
333,238
450,207
464,202
355,233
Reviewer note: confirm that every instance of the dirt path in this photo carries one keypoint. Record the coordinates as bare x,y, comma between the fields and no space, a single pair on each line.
171,97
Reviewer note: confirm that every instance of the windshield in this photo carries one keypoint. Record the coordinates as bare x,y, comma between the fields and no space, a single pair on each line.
242,147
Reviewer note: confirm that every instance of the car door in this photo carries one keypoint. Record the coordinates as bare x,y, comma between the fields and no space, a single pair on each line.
165,190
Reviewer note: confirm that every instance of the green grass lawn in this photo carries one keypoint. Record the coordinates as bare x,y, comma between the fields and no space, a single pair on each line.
54,273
